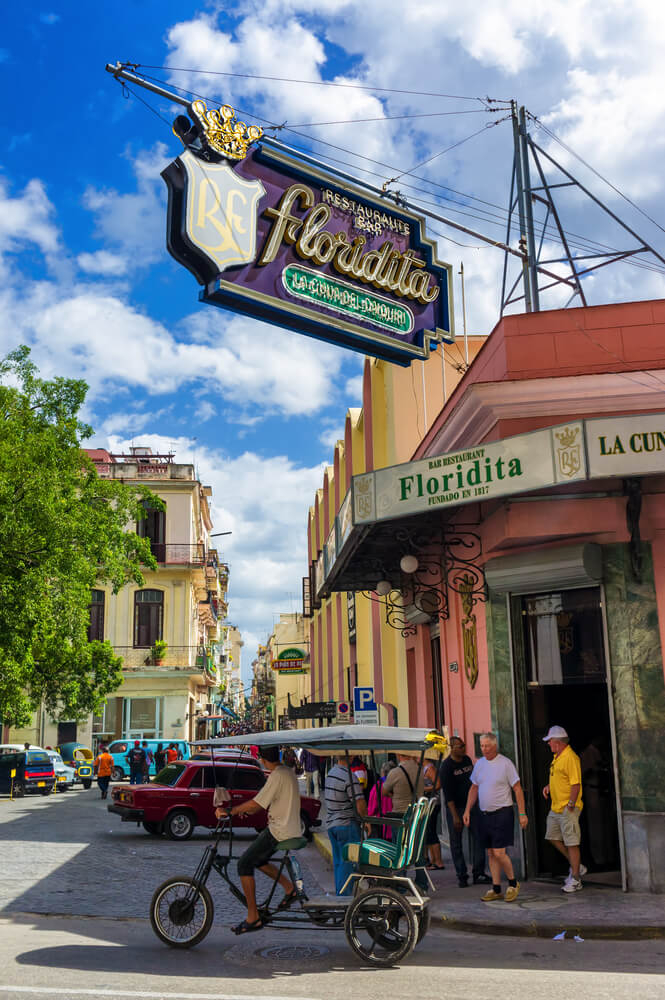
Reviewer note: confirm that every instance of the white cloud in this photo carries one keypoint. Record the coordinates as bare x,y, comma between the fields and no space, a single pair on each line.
134,222
103,263
27,219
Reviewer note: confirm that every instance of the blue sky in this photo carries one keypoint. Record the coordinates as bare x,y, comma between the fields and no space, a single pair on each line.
85,278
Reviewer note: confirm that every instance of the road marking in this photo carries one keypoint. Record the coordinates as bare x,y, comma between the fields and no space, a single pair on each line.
144,994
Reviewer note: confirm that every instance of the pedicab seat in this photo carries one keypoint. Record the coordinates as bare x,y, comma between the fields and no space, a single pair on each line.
292,844
399,854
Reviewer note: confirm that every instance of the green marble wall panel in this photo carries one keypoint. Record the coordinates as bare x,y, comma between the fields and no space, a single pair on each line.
500,672
636,669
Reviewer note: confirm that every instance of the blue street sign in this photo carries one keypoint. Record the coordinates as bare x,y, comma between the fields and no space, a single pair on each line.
363,700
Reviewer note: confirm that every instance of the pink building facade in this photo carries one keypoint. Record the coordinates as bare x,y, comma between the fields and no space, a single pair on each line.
551,590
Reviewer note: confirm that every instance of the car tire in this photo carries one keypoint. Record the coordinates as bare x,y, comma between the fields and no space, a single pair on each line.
46,791
19,790
154,829
87,783
179,825
117,774
305,826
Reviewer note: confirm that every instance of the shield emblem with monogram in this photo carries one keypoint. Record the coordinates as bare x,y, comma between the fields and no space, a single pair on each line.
221,211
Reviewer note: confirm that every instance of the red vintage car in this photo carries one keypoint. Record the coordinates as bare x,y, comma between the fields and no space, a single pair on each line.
180,798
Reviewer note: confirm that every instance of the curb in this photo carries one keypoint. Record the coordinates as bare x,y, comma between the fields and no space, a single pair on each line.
596,932
322,845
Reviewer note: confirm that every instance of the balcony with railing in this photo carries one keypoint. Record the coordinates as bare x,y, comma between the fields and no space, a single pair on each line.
169,554
188,659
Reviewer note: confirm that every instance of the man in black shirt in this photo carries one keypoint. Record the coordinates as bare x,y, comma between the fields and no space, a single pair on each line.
137,760
455,778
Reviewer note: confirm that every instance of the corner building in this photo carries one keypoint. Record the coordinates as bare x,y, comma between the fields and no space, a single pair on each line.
537,598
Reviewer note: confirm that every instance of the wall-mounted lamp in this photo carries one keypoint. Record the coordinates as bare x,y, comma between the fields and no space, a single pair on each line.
408,564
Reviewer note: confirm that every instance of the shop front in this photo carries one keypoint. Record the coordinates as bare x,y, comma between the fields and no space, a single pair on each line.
522,556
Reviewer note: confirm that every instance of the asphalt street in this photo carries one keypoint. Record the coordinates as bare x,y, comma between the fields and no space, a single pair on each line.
73,923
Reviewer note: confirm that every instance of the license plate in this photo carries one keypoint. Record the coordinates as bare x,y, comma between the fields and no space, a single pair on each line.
62,779
41,784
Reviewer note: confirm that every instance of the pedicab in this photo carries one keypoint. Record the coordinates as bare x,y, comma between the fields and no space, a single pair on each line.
385,915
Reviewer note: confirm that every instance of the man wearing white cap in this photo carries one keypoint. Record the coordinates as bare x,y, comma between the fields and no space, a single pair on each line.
565,791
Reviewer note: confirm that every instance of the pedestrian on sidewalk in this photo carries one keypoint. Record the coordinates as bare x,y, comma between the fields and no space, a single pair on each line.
160,757
103,767
147,762
455,778
136,759
345,801
310,764
432,843
565,791
405,786
493,781
379,803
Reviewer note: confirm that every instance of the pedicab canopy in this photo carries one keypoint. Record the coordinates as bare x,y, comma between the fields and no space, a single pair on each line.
341,739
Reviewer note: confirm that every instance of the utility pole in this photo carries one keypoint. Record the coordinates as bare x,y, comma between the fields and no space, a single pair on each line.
524,207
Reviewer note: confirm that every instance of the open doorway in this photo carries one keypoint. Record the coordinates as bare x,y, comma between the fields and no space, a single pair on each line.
563,679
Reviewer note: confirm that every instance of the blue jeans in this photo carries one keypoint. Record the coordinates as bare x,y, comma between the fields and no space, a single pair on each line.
339,836
474,845
136,775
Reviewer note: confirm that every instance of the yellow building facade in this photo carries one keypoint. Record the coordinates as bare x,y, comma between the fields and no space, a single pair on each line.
350,642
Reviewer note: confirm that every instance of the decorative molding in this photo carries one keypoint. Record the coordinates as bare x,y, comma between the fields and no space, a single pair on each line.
485,403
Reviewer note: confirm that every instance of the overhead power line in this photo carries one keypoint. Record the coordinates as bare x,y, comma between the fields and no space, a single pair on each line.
321,83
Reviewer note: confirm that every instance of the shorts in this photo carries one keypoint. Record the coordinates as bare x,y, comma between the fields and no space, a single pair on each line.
497,829
564,826
258,853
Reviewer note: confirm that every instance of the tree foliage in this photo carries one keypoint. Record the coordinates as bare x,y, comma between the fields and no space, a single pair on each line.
63,530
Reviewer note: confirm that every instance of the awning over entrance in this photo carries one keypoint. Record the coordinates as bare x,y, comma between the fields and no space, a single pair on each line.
392,513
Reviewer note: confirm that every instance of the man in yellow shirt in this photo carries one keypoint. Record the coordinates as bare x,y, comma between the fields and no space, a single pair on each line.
565,791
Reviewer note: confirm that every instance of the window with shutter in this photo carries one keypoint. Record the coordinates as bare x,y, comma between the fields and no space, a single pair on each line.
148,617
96,625
153,526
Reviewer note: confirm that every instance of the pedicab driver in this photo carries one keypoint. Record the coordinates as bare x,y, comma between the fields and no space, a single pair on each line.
281,797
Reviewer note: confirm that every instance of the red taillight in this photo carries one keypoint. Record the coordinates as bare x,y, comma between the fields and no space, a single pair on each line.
39,774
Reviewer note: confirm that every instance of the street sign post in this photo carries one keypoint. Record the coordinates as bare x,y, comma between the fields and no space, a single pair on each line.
365,709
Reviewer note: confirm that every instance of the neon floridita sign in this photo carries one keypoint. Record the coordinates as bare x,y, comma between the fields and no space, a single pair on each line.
274,237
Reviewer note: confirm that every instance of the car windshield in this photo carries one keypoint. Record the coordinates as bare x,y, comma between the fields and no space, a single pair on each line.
38,757
169,774
56,758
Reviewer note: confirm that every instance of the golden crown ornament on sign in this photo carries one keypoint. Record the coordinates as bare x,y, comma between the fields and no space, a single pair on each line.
221,133
567,437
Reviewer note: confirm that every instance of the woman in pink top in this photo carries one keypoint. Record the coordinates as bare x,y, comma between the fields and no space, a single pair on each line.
380,804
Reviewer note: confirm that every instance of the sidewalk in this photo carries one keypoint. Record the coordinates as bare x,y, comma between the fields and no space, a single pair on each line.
542,909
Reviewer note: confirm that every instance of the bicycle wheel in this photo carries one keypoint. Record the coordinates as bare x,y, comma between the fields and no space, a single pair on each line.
179,917
381,927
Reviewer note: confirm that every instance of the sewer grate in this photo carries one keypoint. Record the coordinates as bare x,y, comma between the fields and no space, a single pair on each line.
293,953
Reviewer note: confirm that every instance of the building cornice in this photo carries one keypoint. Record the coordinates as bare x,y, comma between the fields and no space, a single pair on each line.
484,404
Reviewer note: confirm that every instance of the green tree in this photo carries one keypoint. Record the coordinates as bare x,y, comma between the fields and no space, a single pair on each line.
63,529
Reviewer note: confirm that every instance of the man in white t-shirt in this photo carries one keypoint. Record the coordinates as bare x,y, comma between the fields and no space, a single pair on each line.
281,797
493,782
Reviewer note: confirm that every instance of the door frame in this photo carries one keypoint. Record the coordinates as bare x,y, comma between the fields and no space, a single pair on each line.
521,736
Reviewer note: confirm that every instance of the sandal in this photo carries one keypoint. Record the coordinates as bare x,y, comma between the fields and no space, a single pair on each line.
435,868
245,927
287,900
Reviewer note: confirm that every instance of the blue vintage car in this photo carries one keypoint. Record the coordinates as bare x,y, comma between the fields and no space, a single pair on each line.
120,748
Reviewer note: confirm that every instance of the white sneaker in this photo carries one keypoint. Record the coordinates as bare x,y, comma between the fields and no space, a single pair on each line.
572,885
583,871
